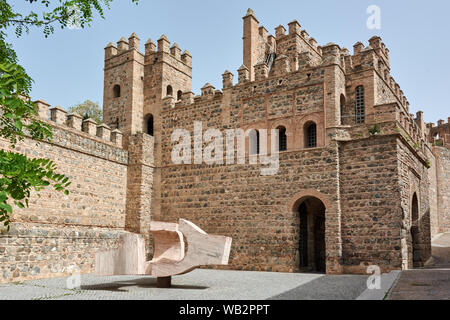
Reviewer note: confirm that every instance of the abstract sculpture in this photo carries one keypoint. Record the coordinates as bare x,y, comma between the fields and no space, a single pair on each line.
169,256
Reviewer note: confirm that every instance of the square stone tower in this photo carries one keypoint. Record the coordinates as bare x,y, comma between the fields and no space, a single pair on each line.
135,84
123,93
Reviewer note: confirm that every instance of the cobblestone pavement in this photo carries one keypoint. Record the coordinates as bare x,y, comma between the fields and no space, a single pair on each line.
431,282
198,285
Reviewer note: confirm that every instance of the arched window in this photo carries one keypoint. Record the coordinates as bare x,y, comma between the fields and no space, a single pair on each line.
360,109
169,91
116,91
179,93
253,142
342,106
282,139
310,135
149,124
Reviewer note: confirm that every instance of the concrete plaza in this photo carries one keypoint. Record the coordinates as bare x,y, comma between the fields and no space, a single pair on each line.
201,284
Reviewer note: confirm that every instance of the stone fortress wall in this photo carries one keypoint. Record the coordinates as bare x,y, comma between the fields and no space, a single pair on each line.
59,231
365,193
367,180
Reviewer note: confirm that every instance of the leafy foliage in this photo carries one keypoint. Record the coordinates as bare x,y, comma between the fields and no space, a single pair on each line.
375,129
60,14
88,109
19,174
18,114
18,119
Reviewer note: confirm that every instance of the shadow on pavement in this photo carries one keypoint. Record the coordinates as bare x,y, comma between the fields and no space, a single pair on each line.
345,287
144,283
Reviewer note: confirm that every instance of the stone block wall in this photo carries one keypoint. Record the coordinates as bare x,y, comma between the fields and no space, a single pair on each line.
34,251
433,194
123,90
414,179
443,177
140,177
371,217
256,211
58,231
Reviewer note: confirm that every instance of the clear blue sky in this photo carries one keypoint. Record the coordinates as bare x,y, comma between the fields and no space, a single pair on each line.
68,66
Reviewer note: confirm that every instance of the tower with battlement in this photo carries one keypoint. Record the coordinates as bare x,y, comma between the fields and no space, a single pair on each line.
135,84
123,99
324,98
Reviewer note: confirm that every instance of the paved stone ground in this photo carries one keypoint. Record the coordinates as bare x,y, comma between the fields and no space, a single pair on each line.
201,284
430,283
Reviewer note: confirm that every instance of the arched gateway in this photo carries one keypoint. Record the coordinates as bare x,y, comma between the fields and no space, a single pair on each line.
309,209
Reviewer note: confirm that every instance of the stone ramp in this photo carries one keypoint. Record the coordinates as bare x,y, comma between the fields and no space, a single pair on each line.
431,282
440,252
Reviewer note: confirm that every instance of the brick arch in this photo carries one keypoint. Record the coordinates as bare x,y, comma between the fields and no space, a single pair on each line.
297,199
290,132
412,203
256,126
300,126
287,123
413,189
333,240
317,118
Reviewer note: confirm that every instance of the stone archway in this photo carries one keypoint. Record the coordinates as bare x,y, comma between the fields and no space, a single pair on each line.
333,238
415,232
311,208
312,248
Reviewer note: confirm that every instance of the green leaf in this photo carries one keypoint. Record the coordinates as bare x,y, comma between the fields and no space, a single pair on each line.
6,207
3,196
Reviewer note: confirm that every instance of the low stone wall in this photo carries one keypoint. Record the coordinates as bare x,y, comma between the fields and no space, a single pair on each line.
34,251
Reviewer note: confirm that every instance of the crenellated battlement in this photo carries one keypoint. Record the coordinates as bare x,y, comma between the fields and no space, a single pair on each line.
126,50
439,135
122,46
290,53
374,56
296,32
75,122
167,52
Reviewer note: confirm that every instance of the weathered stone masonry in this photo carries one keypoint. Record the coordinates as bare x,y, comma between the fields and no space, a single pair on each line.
59,231
361,181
